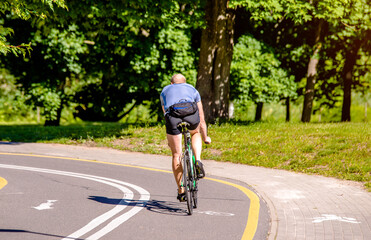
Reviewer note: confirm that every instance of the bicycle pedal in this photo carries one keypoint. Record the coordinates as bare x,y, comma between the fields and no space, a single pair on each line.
182,197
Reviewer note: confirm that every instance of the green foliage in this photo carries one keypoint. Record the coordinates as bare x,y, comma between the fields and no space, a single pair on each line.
46,98
287,25
46,77
361,107
133,59
61,48
353,29
170,53
24,10
22,49
299,11
12,100
256,74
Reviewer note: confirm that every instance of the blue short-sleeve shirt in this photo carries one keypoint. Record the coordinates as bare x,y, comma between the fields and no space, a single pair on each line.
180,92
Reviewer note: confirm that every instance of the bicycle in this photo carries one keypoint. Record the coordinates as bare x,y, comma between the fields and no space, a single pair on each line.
189,178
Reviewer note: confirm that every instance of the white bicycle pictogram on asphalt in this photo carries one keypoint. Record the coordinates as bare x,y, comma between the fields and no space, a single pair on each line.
330,217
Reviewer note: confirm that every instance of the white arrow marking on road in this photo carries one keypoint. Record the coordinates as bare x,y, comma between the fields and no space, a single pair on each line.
128,195
46,206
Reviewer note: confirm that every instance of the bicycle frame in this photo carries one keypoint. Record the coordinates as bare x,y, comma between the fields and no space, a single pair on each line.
189,178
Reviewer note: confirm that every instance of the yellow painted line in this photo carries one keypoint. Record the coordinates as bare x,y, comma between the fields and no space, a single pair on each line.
253,217
3,182
85,160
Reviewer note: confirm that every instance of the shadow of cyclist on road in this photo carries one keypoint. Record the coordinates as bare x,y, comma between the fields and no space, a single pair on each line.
163,207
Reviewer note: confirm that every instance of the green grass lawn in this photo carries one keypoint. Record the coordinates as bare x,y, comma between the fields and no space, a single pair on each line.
341,150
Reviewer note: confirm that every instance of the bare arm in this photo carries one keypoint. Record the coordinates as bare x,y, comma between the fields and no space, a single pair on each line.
163,109
203,126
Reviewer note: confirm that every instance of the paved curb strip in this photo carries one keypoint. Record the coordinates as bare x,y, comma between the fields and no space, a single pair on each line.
301,206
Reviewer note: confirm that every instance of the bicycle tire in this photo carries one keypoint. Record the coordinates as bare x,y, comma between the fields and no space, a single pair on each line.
187,184
193,174
194,189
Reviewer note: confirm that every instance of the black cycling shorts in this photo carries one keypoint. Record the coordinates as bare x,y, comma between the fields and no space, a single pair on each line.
172,123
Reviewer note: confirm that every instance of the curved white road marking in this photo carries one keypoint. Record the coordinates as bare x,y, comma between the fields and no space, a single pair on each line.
144,197
128,196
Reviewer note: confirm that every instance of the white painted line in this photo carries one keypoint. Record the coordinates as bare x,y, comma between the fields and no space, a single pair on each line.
141,203
46,206
128,196
121,219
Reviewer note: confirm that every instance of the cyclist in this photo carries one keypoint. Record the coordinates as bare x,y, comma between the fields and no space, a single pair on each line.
180,92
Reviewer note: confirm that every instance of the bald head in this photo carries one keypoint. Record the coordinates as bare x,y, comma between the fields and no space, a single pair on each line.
178,78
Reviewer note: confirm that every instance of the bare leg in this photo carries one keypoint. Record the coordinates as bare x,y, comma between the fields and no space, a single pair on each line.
197,148
175,144
196,143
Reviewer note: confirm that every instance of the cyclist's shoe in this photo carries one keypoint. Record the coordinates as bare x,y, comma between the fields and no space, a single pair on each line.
182,197
200,169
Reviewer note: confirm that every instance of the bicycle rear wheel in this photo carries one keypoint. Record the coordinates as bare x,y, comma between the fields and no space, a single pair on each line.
187,184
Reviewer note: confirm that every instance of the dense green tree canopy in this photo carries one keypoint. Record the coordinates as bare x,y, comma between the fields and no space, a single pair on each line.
104,58
121,54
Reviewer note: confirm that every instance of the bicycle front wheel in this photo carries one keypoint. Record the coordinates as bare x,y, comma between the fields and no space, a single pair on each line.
187,183
194,190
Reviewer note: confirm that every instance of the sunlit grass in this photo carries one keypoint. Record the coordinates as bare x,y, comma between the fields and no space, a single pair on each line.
341,150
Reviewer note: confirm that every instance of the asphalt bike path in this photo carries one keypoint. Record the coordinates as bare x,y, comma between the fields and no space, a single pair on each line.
300,206
56,183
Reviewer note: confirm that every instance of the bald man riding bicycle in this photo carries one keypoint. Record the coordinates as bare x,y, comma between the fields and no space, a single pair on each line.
180,101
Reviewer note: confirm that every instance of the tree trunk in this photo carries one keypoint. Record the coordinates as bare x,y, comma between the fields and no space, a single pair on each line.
312,75
347,88
351,57
258,112
288,109
215,59
55,122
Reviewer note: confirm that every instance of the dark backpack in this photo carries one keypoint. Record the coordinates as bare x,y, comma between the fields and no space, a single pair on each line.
183,109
